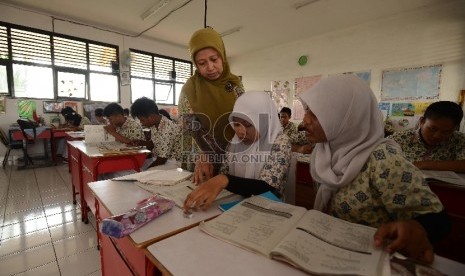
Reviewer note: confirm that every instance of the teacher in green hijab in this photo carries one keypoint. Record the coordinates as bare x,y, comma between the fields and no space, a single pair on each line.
206,100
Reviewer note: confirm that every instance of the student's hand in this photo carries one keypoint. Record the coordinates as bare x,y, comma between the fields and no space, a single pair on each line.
203,171
110,128
203,196
408,237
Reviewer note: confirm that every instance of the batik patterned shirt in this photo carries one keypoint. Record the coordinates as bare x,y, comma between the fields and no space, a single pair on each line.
296,137
166,139
131,130
387,188
415,150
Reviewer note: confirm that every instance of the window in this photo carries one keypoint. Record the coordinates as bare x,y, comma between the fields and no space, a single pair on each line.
3,80
45,65
158,77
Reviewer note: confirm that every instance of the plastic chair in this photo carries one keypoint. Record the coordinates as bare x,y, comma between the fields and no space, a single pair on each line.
9,145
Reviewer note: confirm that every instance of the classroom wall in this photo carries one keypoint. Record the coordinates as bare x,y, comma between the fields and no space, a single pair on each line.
422,37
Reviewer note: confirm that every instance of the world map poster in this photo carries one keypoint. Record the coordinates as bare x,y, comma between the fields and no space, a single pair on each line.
420,83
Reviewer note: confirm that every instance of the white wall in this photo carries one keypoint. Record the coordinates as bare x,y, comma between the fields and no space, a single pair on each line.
422,37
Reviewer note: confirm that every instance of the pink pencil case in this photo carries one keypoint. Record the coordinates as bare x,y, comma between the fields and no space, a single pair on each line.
146,210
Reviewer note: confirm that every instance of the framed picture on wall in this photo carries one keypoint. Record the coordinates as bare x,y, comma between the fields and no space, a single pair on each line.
53,107
125,78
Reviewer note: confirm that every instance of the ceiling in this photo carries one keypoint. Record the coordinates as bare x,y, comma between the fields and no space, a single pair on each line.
263,23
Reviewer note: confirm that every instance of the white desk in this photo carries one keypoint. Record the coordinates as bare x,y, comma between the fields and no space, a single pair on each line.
193,252
126,254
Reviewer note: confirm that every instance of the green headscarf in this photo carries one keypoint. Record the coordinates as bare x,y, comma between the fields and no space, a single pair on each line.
215,98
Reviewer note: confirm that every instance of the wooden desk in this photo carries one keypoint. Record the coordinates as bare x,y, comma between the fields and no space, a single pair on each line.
126,256
300,190
453,199
195,253
88,163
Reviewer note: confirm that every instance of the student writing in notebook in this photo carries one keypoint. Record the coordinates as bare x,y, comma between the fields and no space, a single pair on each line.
436,144
165,139
257,159
363,177
124,129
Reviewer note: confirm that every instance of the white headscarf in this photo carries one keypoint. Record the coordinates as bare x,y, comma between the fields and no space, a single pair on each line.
258,109
348,112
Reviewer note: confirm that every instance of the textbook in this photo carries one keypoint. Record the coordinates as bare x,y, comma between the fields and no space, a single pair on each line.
309,240
444,176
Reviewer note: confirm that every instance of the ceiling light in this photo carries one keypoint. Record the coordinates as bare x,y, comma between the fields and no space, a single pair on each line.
231,31
153,10
304,3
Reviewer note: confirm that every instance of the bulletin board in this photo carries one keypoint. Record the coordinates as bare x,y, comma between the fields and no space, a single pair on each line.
302,84
280,93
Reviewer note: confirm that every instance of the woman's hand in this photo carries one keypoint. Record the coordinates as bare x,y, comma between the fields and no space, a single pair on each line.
203,171
408,237
203,196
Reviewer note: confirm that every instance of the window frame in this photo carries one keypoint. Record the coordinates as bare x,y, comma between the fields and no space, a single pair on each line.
57,68
155,81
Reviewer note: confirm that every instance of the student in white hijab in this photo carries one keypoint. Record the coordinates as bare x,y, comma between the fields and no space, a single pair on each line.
257,158
363,177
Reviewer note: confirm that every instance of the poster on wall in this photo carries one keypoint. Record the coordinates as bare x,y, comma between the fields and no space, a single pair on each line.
52,107
73,105
418,83
298,111
385,109
420,107
304,83
403,109
26,109
280,92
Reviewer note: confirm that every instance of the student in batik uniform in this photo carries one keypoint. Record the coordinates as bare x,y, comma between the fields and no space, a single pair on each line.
124,129
436,144
363,177
257,159
98,112
298,138
165,134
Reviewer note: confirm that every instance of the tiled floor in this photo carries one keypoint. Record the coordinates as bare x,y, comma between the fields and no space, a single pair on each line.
41,230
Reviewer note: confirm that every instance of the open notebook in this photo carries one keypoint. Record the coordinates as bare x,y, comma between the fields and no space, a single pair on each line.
444,176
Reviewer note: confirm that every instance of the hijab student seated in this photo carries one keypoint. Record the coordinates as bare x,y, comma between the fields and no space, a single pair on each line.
257,159
363,177
436,144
